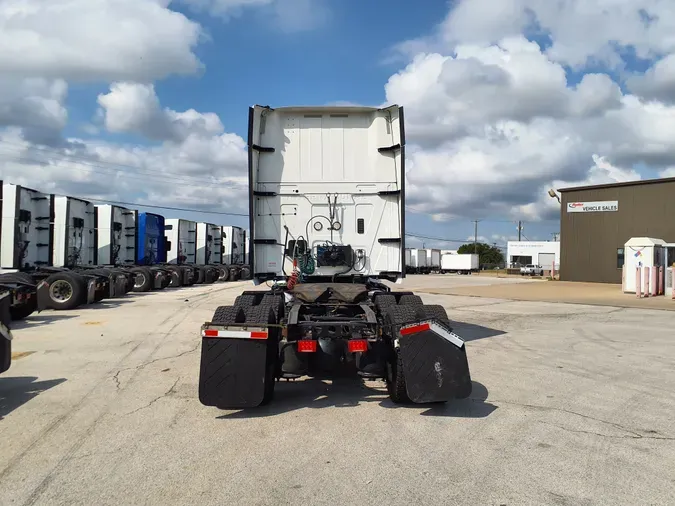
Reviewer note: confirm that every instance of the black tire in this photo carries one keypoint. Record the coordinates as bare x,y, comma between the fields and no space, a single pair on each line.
245,301
410,300
143,279
435,311
396,386
66,290
228,315
200,273
384,301
276,302
223,273
245,273
175,276
264,313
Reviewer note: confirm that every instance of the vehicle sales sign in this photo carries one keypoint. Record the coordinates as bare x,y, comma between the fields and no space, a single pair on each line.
593,207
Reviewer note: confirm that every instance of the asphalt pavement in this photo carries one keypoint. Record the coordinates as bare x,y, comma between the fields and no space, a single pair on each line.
571,404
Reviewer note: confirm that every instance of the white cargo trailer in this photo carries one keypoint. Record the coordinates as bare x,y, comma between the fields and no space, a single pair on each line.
460,263
182,241
433,259
209,244
116,235
234,245
418,261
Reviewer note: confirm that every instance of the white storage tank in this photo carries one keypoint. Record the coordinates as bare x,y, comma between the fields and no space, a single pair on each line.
641,252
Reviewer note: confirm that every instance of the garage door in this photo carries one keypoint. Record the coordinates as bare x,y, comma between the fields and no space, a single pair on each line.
546,260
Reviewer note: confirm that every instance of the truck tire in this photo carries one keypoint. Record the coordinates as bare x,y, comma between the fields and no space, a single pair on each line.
245,272
143,279
396,386
276,302
384,301
175,276
223,273
435,311
264,313
245,301
66,290
228,315
410,300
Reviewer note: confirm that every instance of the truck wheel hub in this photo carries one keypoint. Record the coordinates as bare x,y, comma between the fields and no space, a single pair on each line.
60,291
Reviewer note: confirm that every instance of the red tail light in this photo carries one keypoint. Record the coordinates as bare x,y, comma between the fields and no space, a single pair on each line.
210,333
357,345
306,346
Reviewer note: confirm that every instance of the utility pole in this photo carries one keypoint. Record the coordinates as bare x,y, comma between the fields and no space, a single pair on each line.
520,229
475,236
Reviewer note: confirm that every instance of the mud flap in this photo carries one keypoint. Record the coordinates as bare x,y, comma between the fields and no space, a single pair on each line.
91,291
232,373
42,295
119,286
434,363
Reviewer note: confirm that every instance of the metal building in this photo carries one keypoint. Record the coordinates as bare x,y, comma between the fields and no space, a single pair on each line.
544,253
596,221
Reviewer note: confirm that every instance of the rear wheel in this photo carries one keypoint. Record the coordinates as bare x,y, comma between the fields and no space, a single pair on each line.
66,290
143,279
245,272
223,273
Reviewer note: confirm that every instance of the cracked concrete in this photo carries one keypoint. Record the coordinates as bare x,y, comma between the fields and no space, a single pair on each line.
572,404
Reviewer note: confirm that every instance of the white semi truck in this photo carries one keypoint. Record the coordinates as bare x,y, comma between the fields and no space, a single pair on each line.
181,249
433,260
416,261
327,228
235,241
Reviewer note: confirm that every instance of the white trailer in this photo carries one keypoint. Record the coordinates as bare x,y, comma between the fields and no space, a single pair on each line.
182,241
209,244
116,231
234,245
74,232
433,259
417,262
460,263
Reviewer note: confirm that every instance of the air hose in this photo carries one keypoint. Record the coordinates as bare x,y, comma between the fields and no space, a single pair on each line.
307,264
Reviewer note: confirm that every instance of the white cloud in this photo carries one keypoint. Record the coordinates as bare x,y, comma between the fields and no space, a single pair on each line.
581,31
491,128
36,105
85,40
135,108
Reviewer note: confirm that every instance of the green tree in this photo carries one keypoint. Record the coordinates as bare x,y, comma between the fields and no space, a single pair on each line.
487,254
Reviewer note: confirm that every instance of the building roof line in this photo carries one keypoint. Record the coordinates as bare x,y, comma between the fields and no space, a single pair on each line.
618,185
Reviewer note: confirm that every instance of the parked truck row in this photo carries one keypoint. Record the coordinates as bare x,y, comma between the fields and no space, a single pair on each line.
430,261
62,252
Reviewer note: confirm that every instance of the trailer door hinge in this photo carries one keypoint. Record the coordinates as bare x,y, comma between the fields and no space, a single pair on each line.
262,149
387,149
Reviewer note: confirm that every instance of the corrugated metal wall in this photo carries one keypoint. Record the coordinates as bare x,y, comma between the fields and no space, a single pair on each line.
589,241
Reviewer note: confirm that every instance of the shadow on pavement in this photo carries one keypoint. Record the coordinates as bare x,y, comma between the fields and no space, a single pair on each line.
350,392
17,391
470,332
40,320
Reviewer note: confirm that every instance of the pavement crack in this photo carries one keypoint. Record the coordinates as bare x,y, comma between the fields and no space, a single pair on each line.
116,378
169,391
634,433
630,435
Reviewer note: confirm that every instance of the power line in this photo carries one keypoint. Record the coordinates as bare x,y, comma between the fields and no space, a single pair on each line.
164,207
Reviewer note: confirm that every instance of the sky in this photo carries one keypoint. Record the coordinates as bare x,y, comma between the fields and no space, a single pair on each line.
146,101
